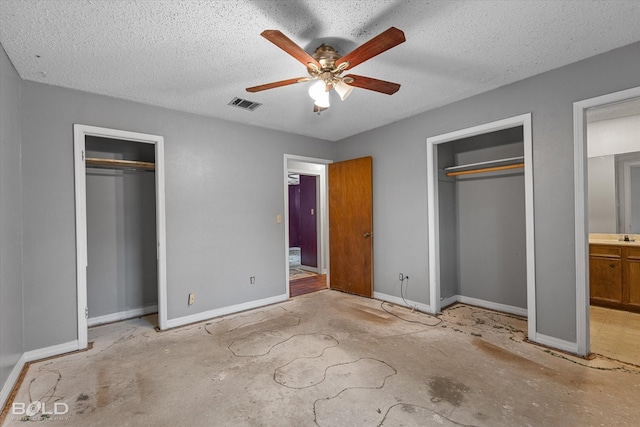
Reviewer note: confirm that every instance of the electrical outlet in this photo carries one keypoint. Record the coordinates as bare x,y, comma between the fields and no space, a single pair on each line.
192,298
252,280
401,277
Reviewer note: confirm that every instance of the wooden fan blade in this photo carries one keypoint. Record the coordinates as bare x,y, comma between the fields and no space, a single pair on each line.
286,44
380,43
369,83
277,84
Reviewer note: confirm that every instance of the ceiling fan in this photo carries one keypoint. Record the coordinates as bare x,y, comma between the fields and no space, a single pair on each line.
326,66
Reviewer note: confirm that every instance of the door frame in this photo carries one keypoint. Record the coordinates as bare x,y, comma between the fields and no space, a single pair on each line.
323,195
627,193
580,179
80,132
523,120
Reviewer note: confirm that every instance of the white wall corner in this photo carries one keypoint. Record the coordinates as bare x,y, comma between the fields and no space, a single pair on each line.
446,302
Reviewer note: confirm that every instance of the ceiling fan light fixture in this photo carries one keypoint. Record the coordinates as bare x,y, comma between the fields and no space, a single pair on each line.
343,89
318,92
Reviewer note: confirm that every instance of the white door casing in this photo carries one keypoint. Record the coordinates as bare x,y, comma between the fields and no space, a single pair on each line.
80,132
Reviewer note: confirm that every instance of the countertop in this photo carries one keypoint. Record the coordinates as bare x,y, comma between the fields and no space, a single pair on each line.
612,239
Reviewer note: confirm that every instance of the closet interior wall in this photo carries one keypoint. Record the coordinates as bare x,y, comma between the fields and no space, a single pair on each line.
482,221
121,231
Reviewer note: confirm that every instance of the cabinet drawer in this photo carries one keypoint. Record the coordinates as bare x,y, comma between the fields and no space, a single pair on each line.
606,251
633,253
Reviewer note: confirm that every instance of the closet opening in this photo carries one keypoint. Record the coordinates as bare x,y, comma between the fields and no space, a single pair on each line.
122,280
120,227
480,201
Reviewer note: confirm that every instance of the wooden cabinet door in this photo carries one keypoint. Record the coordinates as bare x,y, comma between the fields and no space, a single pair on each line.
632,280
605,279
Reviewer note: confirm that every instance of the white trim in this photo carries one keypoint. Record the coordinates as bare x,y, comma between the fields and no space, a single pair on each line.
54,350
122,315
399,301
523,120
210,314
580,205
81,233
530,225
511,309
433,225
627,194
567,346
323,230
80,132
11,381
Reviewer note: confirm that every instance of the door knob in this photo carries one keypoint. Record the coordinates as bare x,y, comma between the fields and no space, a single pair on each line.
367,235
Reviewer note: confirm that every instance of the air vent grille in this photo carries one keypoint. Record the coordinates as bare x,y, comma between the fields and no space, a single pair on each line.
244,104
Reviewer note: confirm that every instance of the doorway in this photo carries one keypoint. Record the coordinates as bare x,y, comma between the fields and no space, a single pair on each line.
434,173
606,148
83,133
304,241
306,220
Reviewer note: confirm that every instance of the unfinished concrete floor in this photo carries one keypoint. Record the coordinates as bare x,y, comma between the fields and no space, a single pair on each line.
331,359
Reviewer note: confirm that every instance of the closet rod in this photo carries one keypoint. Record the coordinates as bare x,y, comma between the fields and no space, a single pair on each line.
94,161
489,162
491,169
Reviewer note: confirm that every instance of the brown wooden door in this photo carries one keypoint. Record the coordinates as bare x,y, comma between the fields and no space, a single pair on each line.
351,226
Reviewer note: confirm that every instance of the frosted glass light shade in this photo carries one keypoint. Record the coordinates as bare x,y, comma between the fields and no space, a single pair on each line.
343,89
318,91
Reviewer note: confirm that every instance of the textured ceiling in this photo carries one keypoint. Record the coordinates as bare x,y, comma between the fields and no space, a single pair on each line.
196,56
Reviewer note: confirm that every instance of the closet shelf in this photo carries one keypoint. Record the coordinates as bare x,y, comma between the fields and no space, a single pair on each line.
455,170
115,163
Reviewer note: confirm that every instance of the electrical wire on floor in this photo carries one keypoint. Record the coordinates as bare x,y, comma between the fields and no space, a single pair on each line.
407,305
439,320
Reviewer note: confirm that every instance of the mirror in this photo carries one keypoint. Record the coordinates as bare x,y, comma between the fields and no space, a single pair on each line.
613,151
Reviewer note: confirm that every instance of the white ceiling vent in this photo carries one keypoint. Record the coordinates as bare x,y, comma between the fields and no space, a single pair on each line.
244,104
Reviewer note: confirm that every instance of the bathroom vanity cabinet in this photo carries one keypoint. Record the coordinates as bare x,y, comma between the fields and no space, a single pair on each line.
614,275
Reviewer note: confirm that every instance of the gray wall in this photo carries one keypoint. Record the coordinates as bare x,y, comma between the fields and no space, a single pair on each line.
121,230
11,329
602,194
492,228
224,189
399,177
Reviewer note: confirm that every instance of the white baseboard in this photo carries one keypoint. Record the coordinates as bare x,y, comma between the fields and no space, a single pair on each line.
210,314
493,305
570,347
399,301
448,301
30,356
122,315
54,350
11,381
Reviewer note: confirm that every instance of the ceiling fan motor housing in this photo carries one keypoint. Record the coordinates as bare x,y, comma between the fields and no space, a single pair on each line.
327,57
